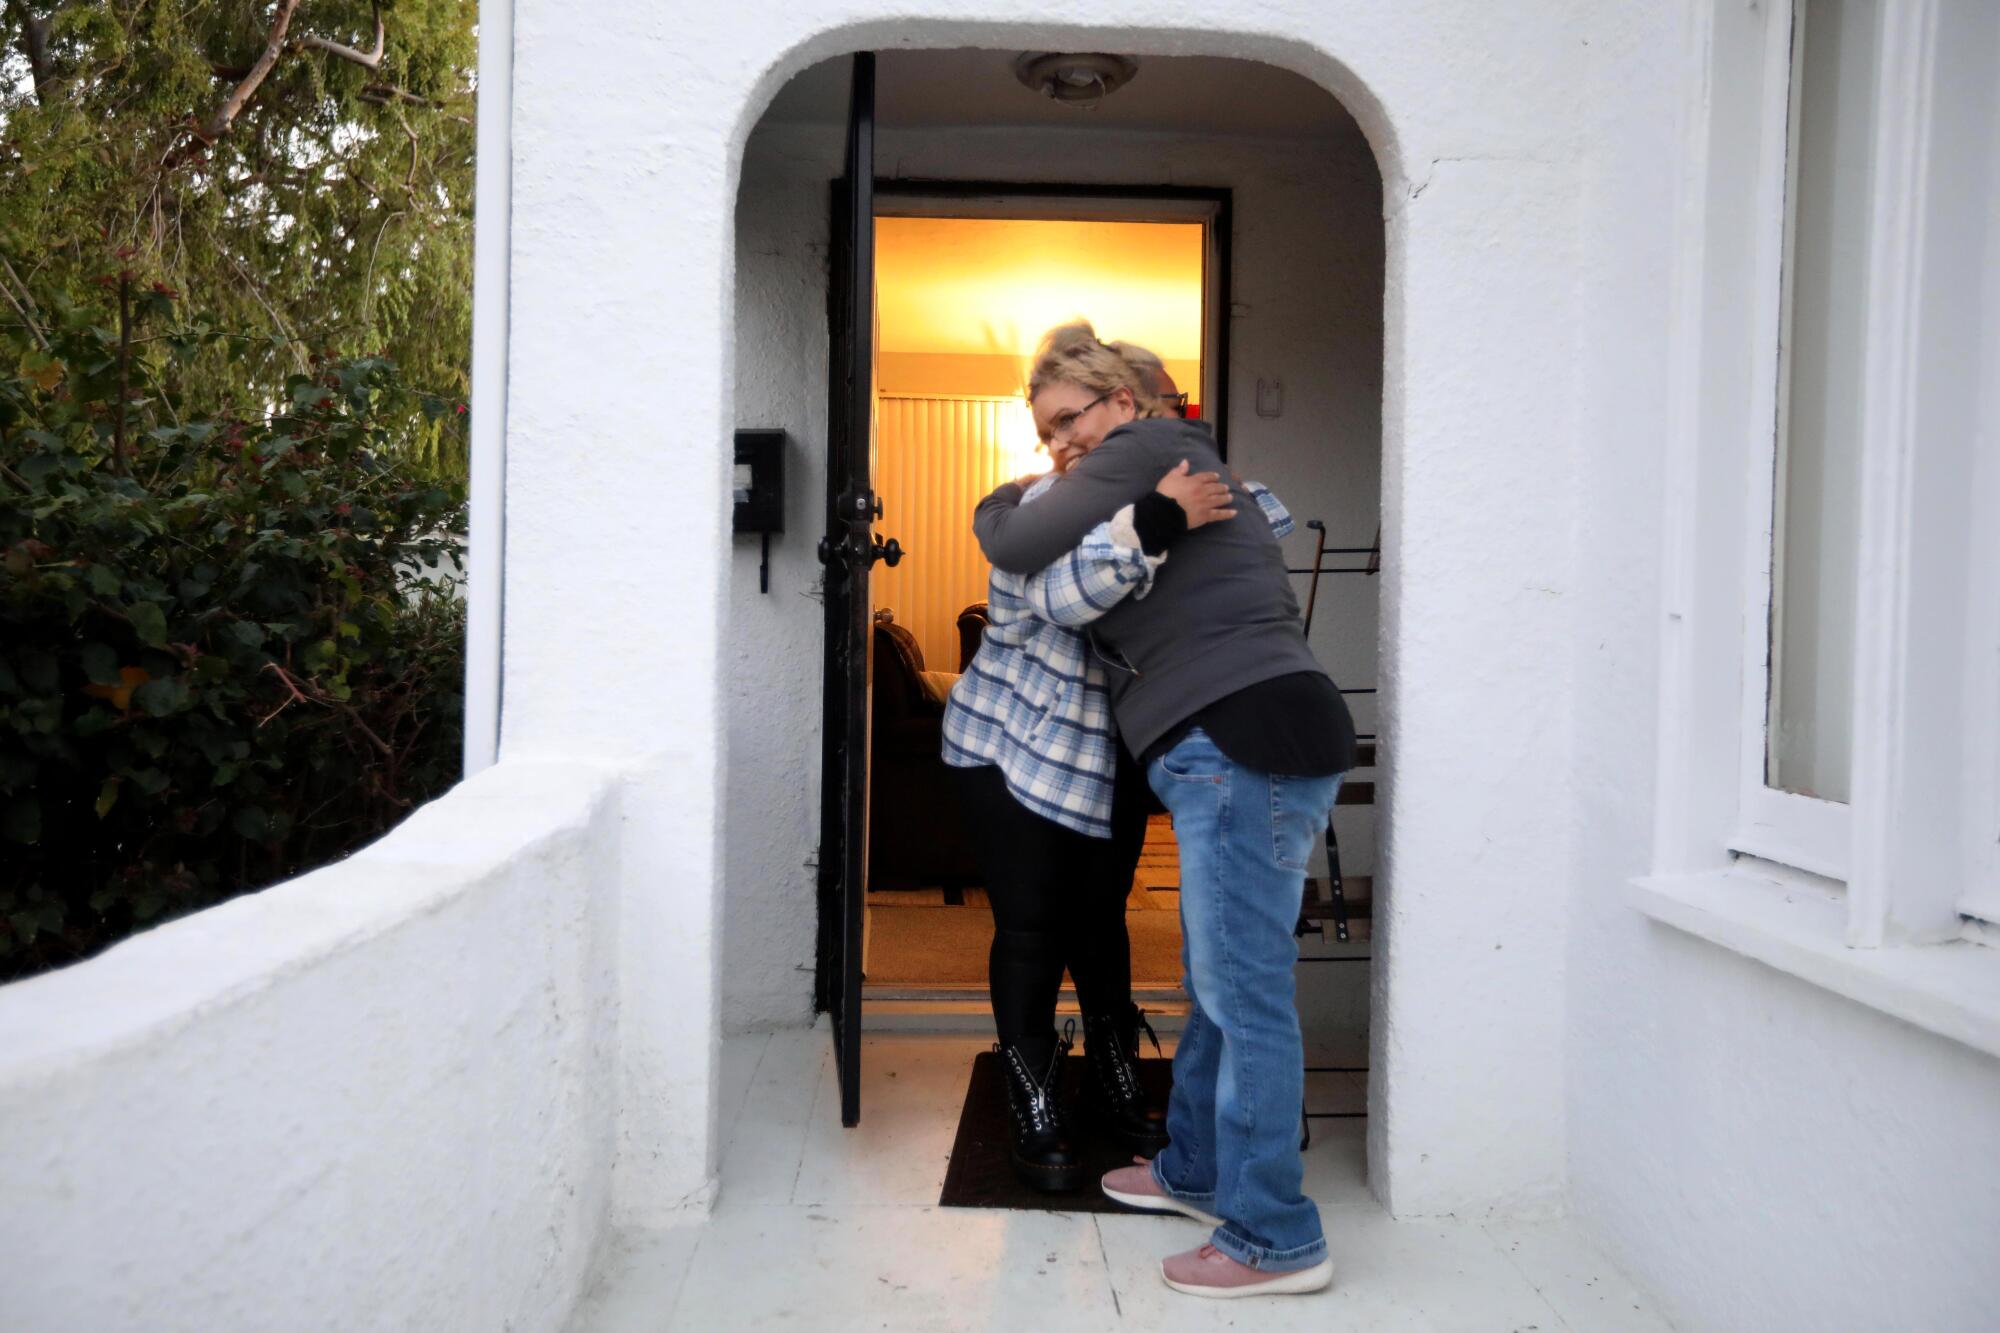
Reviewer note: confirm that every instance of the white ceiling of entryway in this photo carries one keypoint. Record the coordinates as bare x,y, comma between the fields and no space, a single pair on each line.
1171,94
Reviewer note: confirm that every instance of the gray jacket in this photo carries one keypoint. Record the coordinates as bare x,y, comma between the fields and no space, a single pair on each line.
1220,616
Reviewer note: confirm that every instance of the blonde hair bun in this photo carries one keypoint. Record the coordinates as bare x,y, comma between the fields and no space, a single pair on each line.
1072,353
1070,339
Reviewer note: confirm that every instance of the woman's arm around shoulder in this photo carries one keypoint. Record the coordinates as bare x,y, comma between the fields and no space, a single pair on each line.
1021,539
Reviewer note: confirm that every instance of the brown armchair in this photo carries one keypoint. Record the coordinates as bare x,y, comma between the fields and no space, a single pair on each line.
916,838
971,626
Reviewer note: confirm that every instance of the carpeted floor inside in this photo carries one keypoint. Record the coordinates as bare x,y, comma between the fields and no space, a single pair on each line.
946,946
926,938
981,1173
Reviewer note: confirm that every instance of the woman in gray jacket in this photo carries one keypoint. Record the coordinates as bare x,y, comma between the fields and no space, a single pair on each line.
1245,739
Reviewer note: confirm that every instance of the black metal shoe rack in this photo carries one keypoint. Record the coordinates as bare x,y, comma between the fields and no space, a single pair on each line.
1316,912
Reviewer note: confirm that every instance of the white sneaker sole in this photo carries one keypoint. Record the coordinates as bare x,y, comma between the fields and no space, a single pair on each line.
1297,1283
1159,1203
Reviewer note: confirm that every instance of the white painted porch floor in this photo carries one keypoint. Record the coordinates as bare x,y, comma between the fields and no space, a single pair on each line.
822,1228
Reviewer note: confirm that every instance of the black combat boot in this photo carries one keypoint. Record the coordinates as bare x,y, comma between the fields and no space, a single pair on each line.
1044,1155
1112,1092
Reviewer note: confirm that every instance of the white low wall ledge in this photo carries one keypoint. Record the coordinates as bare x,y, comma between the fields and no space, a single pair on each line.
380,1095
163,979
1799,928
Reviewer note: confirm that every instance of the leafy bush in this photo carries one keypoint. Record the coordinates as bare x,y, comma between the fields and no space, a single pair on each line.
221,661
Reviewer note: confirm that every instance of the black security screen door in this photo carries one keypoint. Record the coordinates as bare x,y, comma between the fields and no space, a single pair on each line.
847,551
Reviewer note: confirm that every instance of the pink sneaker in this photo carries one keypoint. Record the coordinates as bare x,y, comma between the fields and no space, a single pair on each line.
1135,1187
1209,1272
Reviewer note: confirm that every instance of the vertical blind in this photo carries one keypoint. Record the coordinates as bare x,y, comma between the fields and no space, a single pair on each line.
936,456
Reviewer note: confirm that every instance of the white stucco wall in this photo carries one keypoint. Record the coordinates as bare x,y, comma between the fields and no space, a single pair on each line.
1761,1153
377,1096
773,642
1307,281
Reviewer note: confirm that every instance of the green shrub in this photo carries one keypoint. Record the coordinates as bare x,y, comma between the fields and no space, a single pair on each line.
220,661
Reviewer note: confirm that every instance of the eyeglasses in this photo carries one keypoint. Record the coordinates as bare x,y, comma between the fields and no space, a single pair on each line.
1065,423
1177,401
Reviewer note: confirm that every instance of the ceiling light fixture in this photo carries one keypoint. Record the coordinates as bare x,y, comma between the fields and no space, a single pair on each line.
1078,80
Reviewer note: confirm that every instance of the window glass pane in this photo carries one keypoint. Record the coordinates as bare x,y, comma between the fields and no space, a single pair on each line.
1814,565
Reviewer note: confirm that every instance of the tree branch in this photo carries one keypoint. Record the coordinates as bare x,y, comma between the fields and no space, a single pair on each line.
17,302
380,94
119,460
365,59
35,45
320,696
383,94
291,687
218,124
409,181
9,473
368,284
277,320
354,716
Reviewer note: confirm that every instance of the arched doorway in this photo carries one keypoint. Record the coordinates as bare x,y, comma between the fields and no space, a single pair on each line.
634,636
1295,358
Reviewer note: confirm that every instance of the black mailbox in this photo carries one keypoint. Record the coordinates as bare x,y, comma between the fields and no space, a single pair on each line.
760,481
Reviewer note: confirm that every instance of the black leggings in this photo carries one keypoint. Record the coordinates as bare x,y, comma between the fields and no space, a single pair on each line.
1058,901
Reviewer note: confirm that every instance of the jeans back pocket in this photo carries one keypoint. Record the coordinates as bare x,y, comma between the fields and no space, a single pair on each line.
1300,809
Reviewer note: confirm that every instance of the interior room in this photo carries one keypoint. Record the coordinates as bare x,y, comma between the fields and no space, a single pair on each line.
961,302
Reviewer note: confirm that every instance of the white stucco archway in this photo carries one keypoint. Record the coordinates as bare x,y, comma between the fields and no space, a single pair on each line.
625,224
1306,257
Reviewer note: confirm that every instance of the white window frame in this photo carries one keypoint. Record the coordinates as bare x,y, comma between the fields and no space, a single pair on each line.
1886,641
1777,825
1980,898
1870,898
1866,843
1921,791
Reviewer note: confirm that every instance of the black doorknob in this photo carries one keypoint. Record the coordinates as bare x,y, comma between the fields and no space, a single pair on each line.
889,552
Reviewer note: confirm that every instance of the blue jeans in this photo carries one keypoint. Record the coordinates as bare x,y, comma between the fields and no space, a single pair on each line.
1239,1077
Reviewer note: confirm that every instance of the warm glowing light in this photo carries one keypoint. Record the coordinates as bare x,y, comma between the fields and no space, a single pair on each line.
963,301
1024,447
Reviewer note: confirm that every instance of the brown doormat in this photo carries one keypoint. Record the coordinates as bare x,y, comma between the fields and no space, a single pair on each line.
981,1173
946,946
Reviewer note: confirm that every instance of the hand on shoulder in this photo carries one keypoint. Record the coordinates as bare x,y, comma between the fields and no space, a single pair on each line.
1202,496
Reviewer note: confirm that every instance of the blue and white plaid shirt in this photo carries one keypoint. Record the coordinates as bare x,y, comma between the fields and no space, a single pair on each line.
1034,700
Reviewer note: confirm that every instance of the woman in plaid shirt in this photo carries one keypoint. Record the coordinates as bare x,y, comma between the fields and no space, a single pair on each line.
1056,806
